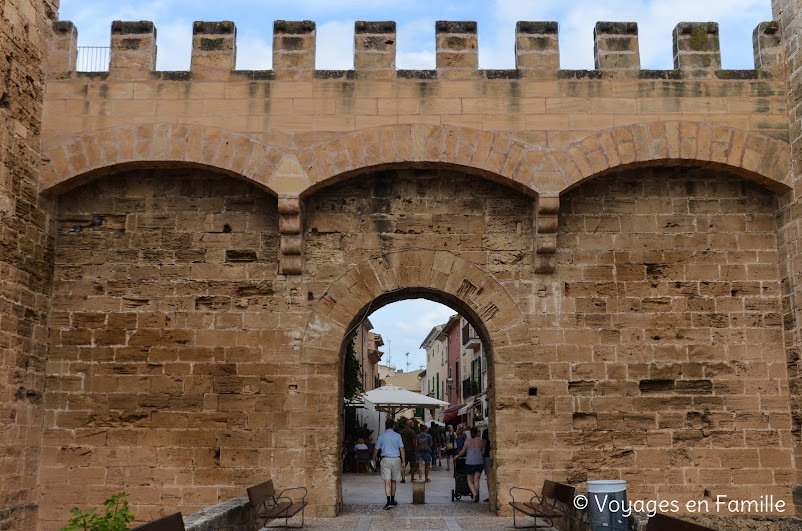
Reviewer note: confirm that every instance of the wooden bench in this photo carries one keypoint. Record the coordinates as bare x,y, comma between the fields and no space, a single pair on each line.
662,522
269,506
173,522
554,502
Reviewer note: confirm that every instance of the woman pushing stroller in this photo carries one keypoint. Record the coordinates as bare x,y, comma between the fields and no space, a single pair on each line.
473,450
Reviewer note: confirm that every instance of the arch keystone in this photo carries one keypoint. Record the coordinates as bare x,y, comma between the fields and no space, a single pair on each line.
289,177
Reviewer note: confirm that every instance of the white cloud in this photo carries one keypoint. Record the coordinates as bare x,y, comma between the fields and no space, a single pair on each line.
254,53
335,45
656,19
174,42
322,5
421,60
93,20
497,45
416,40
416,44
404,325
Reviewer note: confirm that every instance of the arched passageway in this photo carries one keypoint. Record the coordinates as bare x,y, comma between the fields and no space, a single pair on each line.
436,275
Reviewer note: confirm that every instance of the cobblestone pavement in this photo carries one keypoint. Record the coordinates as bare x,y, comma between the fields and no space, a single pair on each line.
363,496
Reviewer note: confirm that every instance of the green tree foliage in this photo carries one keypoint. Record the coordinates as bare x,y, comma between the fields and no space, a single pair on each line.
115,517
353,381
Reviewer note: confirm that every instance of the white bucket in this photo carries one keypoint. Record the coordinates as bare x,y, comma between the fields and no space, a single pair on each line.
607,485
603,493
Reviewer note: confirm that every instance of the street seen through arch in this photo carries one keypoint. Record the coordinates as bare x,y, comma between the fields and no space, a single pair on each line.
419,347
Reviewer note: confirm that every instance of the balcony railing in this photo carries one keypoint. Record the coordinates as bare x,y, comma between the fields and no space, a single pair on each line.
93,58
470,390
473,343
470,340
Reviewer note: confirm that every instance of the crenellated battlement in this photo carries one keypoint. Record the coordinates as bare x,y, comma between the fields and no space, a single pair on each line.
537,53
294,104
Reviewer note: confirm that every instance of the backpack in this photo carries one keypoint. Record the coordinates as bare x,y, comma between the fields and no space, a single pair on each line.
423,443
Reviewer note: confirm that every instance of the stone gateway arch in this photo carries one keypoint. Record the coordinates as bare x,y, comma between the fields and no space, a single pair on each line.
183,253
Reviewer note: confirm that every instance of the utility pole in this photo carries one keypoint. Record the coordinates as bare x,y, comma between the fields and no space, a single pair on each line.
407,355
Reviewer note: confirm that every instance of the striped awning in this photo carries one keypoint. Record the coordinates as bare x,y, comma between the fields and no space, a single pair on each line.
464,409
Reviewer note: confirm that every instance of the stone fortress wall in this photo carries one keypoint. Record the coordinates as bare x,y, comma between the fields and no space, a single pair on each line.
623,239
26,247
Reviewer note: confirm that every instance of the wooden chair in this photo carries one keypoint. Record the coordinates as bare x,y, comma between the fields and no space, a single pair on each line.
662,522
173,522
269,506
553,503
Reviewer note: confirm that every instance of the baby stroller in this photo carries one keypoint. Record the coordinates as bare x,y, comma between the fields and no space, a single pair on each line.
460,480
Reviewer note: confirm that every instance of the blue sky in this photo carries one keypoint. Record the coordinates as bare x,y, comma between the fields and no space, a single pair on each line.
416,18
404,325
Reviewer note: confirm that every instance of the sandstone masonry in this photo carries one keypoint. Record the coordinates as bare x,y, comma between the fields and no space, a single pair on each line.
183,264
26,248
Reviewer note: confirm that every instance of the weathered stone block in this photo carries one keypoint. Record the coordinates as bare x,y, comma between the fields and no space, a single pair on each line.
63,51
456,49
696,46
294,49
615,46
133,49
214,48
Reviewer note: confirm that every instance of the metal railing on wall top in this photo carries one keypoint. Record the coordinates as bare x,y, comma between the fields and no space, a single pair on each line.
93,58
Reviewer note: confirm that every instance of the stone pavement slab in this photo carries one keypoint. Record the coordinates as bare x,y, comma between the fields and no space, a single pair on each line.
363,496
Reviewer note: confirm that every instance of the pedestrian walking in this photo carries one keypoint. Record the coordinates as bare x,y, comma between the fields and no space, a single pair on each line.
437,443
488,462
474,461
460,441
424,448
408,436
451,441
393,460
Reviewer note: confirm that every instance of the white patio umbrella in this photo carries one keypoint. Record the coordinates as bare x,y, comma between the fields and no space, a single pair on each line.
391,399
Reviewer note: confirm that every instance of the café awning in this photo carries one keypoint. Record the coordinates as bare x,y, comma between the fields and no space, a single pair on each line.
450,414
392,399
464,409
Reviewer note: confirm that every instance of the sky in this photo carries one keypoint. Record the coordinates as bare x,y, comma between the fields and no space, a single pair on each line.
415,21
404,325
